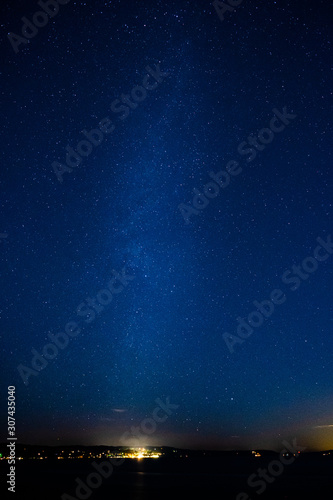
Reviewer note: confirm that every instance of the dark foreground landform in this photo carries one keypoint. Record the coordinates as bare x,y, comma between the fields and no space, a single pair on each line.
176,474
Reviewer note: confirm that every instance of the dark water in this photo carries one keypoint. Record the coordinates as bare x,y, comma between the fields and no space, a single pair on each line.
171,479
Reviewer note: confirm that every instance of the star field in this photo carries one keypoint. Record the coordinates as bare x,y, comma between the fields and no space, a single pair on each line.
162,334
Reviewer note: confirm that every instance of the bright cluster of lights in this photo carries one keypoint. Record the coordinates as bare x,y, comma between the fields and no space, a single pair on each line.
140,453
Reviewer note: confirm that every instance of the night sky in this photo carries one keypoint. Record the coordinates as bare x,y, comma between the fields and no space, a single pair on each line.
118,250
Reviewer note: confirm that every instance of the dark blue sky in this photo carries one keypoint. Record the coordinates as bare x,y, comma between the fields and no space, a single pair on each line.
210,84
